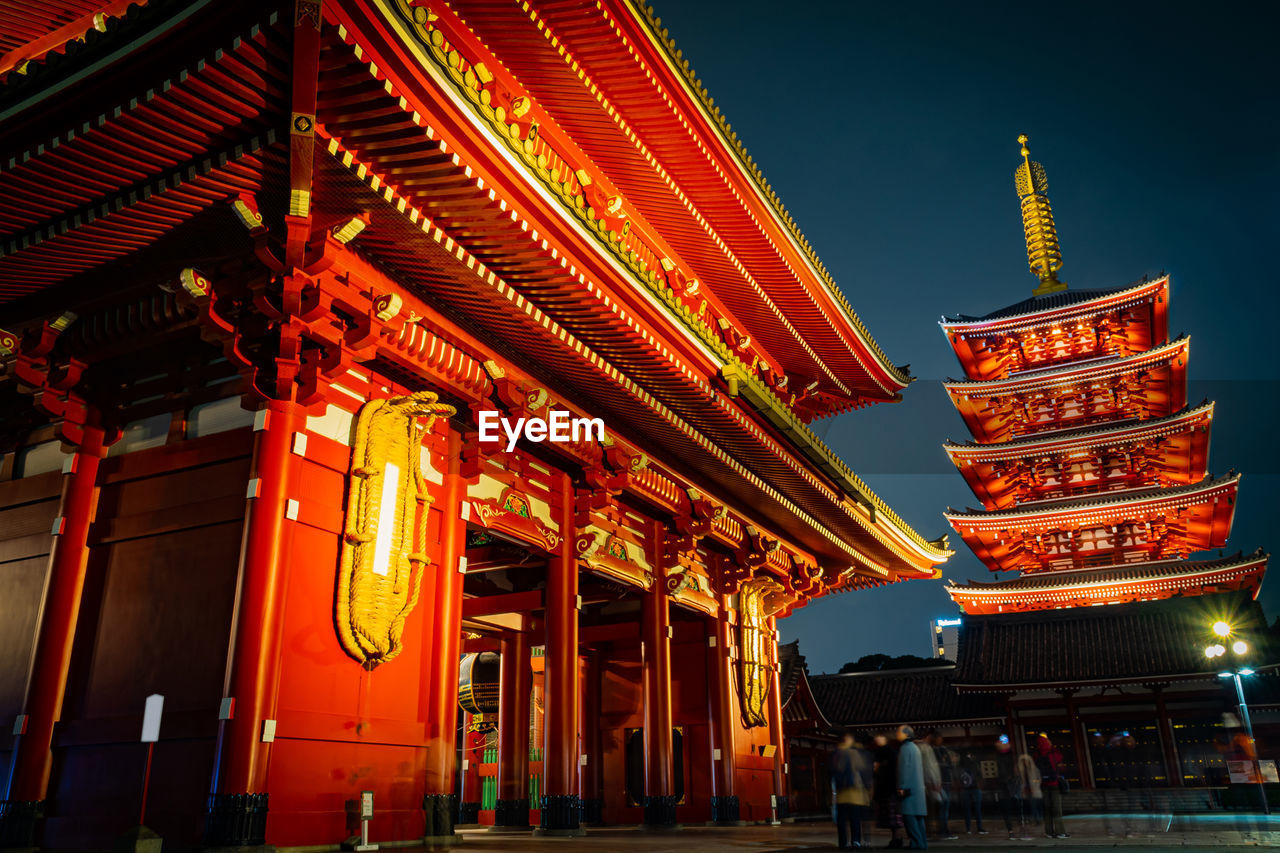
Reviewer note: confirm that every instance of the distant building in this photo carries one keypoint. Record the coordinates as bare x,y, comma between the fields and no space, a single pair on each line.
943,636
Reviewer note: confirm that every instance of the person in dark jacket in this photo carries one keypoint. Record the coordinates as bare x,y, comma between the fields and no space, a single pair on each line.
911,789
1049,762
947,777
852,775
971,793
1008,787
885,790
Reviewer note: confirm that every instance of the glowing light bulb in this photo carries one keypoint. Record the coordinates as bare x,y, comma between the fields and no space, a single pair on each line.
1222,629
1239,647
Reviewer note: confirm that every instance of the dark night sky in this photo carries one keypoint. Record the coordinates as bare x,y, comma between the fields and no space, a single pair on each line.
889,131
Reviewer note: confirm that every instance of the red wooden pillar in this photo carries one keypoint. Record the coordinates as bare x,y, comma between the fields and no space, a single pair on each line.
776,736
724,802
590,779
659,783
28,782
561,808
439,802
516,680
237,815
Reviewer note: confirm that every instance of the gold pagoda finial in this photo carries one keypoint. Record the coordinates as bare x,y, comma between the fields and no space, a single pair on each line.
1044,255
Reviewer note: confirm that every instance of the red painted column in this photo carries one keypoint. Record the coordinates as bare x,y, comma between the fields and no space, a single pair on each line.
47,681
439,801
776,737
660,801
516,679
724,802
561,808
238,805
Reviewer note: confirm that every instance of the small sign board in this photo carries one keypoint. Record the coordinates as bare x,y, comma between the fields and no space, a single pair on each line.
151,718
1244,772
366,805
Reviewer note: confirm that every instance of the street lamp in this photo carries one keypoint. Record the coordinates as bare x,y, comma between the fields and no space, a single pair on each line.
1239,648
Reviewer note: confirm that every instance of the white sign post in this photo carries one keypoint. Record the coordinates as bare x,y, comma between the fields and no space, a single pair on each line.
150,734
366,813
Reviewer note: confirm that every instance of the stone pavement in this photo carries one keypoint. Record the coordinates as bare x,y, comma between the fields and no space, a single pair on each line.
1186,833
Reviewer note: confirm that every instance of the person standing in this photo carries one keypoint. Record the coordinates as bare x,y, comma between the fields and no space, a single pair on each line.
884,793
851,775
947,775
911,790
1032,795
1049,762
932,776
971,793
1008,787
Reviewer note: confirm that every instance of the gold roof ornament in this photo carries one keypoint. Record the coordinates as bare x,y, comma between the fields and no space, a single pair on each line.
1044,255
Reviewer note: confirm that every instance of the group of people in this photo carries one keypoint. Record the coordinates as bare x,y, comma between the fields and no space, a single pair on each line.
911,779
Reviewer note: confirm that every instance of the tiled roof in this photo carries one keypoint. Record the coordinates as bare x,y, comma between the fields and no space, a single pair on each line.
1095,501
1101,431
1110,574
1036,304
1072,371
899,696
1049,302
1105,644
790,666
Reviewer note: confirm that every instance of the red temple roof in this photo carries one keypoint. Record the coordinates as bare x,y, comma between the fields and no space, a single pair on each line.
1167,451
1113,585
609,76
1120,527
457,218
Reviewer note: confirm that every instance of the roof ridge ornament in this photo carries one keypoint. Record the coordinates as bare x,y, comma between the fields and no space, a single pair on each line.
1044,254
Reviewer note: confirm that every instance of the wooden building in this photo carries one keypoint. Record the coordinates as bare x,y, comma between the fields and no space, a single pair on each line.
271,277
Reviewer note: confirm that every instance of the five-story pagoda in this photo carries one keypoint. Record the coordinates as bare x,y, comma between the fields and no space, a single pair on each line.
1091,468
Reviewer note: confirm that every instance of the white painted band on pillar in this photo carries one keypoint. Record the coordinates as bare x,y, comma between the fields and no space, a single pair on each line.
20,724
291,509
462,565
226,709
254,489
260,420
59,525
268,731
300,444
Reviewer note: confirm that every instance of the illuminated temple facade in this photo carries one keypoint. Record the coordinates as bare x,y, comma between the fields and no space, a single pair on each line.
1091,467
266,271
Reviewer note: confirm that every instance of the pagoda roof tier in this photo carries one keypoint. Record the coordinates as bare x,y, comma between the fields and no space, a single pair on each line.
1115,585
608,75
1040,311
1130,526
1124,455
1151,384
1057,327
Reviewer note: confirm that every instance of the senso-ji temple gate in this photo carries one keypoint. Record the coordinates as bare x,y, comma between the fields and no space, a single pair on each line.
268,271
